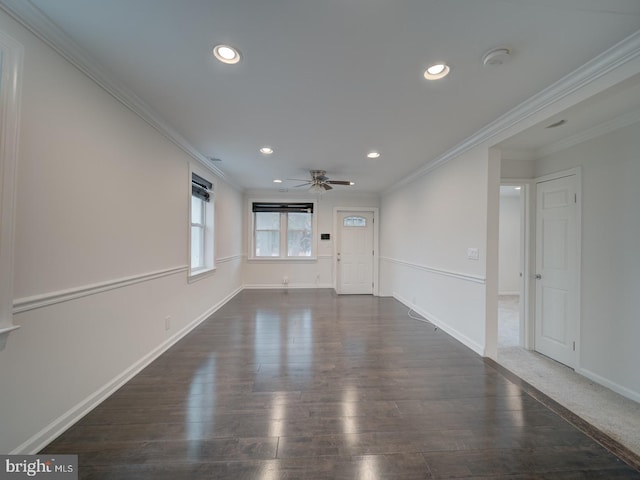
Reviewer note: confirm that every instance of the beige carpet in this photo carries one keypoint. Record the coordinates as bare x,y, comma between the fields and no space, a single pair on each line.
615,415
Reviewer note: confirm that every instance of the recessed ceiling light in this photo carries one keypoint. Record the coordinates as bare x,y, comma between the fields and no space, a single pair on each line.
373,154
277,180
266,150
226,54
436,71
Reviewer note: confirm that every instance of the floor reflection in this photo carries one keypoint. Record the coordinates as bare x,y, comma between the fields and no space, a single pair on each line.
293,328
350,413
278,416
201,406
369,468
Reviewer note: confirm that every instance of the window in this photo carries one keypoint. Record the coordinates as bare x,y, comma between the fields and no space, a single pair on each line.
282,230
201,233
354,222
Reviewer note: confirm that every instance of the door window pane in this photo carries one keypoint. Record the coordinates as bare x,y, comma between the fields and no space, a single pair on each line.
355,222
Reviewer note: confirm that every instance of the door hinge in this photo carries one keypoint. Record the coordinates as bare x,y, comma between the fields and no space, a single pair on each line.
574,346
575,198
373,252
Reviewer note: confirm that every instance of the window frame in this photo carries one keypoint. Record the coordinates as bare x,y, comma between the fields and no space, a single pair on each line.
283,241
207,266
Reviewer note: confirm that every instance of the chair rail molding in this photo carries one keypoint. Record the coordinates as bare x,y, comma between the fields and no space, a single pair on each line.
11,58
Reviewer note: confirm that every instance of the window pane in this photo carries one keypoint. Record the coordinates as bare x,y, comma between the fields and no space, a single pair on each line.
197,247
299,234
355,222
197,210
267,220
267,243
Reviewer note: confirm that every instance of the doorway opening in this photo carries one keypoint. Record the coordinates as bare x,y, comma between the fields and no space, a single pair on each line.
511,301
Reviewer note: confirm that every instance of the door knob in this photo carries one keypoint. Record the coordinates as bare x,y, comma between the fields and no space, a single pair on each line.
538,276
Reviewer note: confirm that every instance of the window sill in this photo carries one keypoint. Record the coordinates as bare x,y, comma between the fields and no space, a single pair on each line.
199,274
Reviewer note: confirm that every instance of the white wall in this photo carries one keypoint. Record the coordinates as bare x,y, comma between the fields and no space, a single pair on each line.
301,274
426,228
510,168
509,275
610,300
101,249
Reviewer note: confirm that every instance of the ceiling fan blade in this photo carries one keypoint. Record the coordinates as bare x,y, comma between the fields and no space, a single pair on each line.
299,179
339,182
302,185
326,187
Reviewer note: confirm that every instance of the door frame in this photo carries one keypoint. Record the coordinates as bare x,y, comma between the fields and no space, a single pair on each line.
376,245
577,171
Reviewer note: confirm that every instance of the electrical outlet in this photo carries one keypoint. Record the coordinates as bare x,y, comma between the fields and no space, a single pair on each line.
473,253
285,280
167,322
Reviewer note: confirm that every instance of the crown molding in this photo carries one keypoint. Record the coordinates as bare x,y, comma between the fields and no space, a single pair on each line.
616,56
32,18
609,126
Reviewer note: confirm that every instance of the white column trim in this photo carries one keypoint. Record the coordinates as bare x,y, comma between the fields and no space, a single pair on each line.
11,59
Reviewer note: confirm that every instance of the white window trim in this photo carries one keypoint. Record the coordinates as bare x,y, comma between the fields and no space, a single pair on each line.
314,229
196,274
11,59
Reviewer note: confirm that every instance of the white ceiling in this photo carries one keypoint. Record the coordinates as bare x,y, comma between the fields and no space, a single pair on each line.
324,82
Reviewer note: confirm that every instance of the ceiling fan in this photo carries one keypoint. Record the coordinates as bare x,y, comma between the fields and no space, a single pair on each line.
319,182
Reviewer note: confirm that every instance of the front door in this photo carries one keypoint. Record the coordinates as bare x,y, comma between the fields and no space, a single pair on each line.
354,253
557,259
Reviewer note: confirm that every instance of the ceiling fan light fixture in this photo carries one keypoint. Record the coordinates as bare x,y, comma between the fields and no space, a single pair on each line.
437,71
316,188
226,54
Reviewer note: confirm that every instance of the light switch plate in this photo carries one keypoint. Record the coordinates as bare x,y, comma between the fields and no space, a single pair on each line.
473,253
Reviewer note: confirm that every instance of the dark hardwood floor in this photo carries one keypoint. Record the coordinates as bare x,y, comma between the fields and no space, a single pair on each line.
306,384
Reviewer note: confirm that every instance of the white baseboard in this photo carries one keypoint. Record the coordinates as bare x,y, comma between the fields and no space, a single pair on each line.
442,325
280,286
625,392
62,423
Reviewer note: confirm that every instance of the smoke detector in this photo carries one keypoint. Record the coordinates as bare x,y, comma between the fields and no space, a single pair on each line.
496,57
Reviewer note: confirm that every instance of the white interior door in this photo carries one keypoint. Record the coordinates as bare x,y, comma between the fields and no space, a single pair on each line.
557,283
354,253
